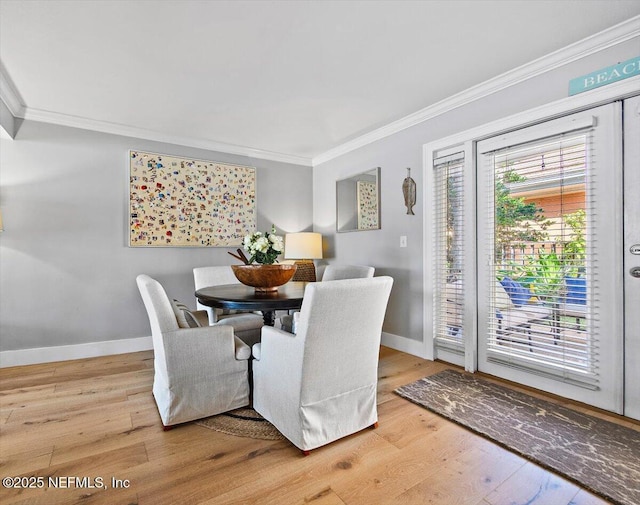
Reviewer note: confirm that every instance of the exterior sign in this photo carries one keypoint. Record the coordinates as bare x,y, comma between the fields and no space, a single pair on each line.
605,76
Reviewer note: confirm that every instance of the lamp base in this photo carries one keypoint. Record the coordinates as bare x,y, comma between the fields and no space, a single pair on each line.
306,271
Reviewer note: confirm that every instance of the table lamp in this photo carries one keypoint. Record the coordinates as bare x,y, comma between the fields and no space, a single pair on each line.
303,247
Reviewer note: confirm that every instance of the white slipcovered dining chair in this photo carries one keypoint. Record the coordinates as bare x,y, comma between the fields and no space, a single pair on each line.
247,325
335,272
320,384
332,272
199,371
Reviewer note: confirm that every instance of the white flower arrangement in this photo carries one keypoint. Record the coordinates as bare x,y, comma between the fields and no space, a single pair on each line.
263,248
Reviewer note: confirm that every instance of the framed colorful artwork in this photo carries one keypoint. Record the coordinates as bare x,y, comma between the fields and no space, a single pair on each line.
182,202
367,193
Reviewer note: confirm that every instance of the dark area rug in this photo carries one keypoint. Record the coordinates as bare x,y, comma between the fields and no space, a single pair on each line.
599,455
244,422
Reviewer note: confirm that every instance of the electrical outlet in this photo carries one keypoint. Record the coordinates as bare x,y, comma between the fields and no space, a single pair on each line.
403,241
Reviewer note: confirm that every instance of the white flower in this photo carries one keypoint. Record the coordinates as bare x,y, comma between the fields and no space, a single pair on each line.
278,243
263,247
262,244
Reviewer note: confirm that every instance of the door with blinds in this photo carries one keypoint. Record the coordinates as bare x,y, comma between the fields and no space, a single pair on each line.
550,300
454,257
632,256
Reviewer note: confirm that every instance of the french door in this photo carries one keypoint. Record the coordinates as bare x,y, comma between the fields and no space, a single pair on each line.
632,256
536,256
550,268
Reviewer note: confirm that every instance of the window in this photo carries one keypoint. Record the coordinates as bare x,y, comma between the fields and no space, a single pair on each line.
540,214
449,274
549,236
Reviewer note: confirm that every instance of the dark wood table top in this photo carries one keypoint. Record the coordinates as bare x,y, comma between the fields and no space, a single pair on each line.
239,296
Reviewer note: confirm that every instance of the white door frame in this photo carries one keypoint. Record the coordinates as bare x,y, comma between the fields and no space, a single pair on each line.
607,94
631,238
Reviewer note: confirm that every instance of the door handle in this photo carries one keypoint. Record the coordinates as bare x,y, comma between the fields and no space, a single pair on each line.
635,272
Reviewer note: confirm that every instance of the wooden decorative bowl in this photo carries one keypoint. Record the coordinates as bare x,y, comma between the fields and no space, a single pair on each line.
264,278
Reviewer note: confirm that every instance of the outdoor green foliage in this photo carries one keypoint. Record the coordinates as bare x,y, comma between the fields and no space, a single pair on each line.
453,226
548,271
574,251
543,272
514,219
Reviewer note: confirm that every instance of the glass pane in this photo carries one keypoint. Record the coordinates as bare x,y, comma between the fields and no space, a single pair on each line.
449,256
540,250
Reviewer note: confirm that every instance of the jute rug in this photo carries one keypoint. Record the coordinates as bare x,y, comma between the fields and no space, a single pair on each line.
597,454
244,422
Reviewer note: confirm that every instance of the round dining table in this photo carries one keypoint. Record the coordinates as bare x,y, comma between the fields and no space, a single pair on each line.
241,297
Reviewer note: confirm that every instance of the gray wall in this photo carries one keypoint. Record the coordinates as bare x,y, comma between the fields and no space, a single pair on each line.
67,275
381,248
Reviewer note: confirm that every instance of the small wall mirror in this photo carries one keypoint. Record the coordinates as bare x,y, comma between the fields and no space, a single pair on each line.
358,202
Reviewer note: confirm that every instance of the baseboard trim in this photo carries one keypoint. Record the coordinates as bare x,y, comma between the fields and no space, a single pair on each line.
403,344
78,351
109,347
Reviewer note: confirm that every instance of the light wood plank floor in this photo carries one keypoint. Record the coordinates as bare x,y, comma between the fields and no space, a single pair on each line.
96,419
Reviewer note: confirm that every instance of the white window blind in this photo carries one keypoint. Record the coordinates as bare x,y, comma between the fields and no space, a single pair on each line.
449,253
542,312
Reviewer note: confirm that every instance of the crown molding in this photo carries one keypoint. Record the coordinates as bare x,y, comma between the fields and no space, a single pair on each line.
141,133
11,97
9,94
615,35
605,39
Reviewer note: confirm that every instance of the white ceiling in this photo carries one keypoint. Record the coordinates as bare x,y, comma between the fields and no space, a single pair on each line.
298,78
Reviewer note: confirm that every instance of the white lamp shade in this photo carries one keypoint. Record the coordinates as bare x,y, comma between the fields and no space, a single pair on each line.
303,246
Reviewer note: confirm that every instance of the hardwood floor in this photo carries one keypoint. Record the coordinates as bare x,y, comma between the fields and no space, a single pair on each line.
96,419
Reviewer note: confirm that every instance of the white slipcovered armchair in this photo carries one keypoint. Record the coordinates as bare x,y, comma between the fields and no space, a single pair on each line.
247,325
319,385
334,272
199,372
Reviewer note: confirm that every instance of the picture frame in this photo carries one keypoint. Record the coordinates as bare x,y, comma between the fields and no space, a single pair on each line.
184,202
